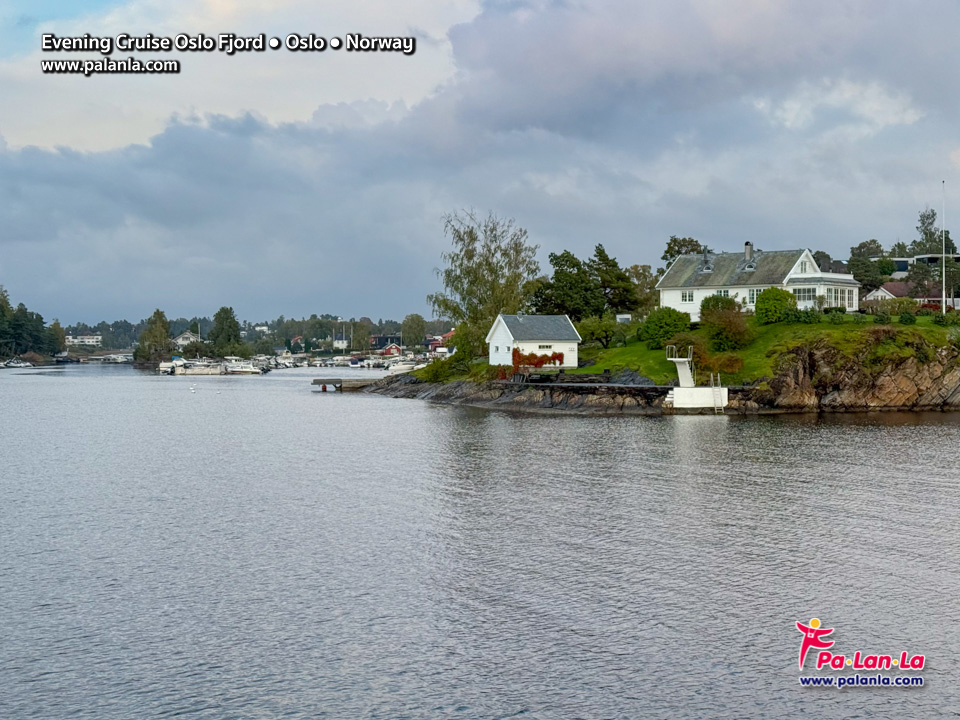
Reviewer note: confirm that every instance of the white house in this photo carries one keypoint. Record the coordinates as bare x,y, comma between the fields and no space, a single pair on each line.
185,338
691,278
540,334
88,340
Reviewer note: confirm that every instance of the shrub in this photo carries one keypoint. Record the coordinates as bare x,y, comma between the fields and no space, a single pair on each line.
835,309
438,371
881,318
925,311
835,318
687,339
772,303
535,361
940,319
726,329
717,302
806,317
860,319
908,318
662,324
725,362
897,306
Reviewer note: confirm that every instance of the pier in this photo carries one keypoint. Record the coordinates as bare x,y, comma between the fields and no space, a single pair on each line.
341,384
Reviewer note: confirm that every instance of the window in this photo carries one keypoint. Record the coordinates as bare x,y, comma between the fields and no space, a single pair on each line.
723,293
805,294
546,347
804,267
686,296
752,296
496,348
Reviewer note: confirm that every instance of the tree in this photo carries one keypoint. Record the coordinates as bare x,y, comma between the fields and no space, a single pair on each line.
614,283
601,330
414,329
886,266
867,272
572,291
57,336
899,250
489,270
195,327
225,332
930,242
681,246
867,249
823,260
920,277
360,335
645,286
155,344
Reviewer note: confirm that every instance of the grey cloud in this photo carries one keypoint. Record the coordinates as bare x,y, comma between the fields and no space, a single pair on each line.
588,123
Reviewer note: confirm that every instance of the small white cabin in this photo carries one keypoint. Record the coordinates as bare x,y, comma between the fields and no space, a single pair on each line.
540,334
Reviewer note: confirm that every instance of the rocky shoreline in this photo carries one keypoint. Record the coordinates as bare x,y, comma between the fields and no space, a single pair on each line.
809,378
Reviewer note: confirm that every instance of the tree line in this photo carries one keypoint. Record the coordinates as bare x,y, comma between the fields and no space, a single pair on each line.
23,331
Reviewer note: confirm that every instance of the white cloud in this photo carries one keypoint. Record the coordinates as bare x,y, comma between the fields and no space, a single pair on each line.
871,103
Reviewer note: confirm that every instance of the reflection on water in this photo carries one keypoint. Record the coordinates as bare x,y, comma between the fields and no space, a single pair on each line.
256,550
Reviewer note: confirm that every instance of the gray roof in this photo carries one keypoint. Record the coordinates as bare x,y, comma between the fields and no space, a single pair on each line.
541,327
823,279
729,269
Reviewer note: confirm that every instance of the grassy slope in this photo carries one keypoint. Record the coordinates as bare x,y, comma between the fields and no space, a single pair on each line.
758,358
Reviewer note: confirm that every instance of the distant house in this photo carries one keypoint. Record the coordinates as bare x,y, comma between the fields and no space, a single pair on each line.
932,295
185,338
391,349
340,342
691,278
540,334
88,340
902,264
379,342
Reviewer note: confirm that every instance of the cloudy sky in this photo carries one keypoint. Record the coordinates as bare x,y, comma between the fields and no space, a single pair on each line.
294,183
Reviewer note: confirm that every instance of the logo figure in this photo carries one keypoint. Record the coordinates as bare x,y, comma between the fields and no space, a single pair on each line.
812,635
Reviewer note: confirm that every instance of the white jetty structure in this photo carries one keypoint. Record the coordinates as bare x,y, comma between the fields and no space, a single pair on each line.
687,395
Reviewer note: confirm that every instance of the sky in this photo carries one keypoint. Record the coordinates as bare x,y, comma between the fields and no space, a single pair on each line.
297,183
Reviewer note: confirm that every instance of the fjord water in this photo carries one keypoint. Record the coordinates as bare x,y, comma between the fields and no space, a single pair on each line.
256,550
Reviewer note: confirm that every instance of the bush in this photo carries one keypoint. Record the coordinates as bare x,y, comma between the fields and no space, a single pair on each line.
925,311
687,339
860,319
726,363
835,309
881,318
726,329
806,317
717,302
835,318
772,303
661,325
438,371
940,319
897,306
908,318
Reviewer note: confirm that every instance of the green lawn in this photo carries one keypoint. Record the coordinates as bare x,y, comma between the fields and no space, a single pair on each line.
769,341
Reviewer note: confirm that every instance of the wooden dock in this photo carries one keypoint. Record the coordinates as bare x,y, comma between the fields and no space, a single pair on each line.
341,384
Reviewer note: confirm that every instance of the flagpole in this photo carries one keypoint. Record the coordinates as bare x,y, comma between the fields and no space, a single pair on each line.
943,240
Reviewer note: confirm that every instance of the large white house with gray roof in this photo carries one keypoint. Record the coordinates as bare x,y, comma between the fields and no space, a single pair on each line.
691,278
540,334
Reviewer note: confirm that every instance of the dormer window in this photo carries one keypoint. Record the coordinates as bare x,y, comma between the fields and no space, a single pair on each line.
750,267
707,268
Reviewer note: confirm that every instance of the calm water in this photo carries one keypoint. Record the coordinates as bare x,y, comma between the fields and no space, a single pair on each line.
266,552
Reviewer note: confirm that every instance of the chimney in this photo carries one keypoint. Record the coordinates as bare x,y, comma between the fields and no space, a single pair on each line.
748,251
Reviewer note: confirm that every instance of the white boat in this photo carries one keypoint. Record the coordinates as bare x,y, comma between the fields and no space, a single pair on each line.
199,367
17,363
241,367
402,367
